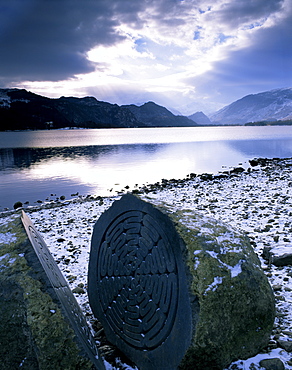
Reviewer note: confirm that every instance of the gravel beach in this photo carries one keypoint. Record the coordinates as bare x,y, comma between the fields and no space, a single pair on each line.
257,200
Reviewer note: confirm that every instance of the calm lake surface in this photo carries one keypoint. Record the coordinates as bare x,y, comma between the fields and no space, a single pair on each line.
36,164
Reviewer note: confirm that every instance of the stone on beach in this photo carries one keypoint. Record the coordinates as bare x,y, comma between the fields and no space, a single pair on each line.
41,326
280,255
237,307
272,364
229,306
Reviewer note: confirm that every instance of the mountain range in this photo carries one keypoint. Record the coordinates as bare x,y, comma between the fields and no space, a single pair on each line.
269,106
23,110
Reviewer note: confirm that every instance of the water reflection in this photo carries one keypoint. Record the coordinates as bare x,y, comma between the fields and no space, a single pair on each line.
20,158
195,156
29,174
98,137
281,148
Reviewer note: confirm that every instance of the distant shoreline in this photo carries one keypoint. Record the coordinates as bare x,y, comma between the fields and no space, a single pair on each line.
261,123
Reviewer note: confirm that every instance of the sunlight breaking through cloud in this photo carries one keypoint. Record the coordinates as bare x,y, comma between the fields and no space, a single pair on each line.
176,51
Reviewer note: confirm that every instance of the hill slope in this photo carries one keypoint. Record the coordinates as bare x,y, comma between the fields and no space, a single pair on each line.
20,110
266,106
23,110
152,114
200,118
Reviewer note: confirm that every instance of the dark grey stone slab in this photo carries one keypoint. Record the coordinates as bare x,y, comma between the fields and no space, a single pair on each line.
279,255
56,282
138,285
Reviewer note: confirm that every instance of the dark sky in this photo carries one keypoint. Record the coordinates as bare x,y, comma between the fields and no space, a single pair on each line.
185,54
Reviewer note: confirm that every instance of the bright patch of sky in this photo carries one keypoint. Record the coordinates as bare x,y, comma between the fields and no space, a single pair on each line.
187,55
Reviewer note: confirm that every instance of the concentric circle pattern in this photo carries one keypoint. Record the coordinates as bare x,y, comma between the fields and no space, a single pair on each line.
137,280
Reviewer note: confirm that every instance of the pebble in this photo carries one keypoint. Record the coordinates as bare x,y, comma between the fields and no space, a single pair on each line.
287,345
272,364
78,290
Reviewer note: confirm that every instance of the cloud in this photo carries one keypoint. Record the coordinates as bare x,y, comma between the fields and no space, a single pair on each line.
190,53
264,65
48,40
235,14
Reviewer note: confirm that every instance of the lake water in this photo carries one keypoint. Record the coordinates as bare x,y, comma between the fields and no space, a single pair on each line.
36,164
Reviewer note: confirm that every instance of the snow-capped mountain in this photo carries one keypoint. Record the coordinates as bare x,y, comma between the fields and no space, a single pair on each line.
273,105
5,99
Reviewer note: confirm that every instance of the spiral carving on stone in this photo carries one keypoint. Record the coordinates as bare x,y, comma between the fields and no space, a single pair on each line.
137,278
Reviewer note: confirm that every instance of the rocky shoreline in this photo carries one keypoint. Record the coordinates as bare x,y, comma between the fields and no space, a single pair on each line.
256,200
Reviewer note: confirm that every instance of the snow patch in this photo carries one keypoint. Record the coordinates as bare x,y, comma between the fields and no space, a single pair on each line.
281,250
213,287
234,270
7,238
213,255
205,230
9,262
7,255
252,361
196,263
4,99
226,238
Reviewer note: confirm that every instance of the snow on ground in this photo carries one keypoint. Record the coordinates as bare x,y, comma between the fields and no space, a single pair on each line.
257,201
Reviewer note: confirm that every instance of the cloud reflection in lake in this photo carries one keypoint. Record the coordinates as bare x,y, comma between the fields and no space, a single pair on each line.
32,173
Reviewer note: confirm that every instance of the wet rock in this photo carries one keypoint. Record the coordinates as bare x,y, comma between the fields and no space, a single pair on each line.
78,290
259,162
277,287
206,176
71,278
221,176
281,255
272,344
287,332
272,364
253,162
17,205
237,170
286,345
